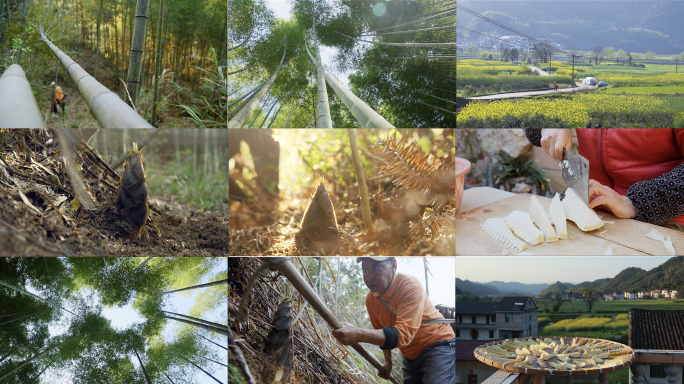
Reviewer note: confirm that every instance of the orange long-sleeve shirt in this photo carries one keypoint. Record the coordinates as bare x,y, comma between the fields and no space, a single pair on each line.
409,302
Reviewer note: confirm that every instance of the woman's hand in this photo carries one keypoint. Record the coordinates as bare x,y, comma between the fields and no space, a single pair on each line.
385,371
554,140
619,205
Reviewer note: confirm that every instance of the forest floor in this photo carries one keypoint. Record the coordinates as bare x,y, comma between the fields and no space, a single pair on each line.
37,217
78,113
267,225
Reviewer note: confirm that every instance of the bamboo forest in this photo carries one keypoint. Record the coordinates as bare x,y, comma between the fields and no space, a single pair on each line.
113,320
113,63
347,63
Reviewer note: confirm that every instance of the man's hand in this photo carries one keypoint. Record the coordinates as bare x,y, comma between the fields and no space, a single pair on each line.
619,205
554,140
386,370
347,335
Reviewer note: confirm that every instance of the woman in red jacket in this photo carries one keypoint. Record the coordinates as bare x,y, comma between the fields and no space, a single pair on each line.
634,173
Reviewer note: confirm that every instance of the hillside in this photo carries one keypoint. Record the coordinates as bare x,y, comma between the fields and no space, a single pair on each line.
640,26
668,275
515,287
467,286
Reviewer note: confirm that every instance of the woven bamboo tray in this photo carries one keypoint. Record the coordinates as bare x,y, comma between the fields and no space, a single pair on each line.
628,358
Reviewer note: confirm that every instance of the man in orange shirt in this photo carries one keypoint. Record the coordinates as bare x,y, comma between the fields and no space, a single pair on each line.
403,317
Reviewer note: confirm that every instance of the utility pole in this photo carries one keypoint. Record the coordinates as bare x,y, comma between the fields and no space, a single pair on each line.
573,71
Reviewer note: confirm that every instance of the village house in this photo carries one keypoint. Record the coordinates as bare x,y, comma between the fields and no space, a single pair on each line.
608,297
511,317
629,296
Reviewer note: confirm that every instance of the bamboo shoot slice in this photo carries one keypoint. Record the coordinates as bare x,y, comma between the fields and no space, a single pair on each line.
498,230
669,247
541,220
575,210
557,216
521,224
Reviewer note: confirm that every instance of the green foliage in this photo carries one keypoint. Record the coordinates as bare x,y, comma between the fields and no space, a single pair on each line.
521,166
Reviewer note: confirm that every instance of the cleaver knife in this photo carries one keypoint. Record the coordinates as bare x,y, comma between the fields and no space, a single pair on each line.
575,172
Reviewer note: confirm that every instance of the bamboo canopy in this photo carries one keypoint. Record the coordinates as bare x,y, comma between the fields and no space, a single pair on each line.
106,106
18,107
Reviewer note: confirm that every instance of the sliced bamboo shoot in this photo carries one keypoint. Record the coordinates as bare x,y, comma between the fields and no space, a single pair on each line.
498,230
541,220
521,224
669,247
557,215
575,210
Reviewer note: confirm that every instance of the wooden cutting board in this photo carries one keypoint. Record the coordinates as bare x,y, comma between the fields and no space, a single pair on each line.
626,236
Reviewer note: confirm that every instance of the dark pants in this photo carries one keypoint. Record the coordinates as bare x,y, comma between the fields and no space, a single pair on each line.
435,365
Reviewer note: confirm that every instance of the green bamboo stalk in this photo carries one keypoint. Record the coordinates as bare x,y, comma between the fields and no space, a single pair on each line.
200,368
33,358
123,50
239,119
361,179
323,119
158,66
219,282
97,53
364,114
137,48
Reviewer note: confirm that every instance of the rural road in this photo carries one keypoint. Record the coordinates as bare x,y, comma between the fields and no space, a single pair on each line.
523,94
538,70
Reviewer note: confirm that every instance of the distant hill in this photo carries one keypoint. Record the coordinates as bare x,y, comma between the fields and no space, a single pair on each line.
472,288
633,26
514,287
668,275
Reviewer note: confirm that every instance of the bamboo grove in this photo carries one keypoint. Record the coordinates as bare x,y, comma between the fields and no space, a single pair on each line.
181,46
397,55
56,326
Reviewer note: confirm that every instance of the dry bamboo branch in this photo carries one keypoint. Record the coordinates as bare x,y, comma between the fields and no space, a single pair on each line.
240,359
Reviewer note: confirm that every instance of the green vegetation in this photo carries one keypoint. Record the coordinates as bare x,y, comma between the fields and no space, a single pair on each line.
648,90
611,307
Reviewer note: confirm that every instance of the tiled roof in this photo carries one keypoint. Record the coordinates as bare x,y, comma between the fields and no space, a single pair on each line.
656,329
510,303
465,349
475,308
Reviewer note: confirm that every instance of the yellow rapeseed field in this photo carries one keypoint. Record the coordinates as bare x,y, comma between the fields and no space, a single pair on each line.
568,112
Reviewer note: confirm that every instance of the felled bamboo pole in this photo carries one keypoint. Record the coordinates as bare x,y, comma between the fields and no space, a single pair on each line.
105,106
18,107
288,269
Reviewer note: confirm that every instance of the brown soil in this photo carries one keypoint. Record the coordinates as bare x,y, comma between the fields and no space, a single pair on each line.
172,229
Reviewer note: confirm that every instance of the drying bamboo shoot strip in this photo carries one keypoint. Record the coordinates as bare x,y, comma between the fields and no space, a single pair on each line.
539,217
575,210
521,224
545,354
498,230
557,216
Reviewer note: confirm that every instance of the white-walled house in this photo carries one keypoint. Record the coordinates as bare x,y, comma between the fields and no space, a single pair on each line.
511,317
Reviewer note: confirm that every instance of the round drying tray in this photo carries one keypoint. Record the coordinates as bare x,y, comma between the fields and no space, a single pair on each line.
620,356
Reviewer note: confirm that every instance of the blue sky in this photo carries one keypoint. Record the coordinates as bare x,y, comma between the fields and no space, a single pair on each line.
549,269
123,317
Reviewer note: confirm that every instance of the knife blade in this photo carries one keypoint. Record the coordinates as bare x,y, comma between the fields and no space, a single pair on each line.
575,172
